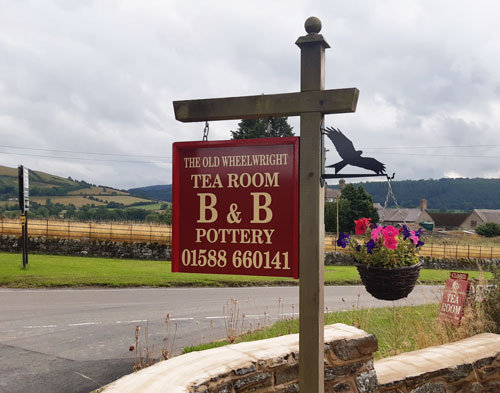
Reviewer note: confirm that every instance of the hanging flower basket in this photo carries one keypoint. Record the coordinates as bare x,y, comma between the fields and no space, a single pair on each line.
389,284
387,257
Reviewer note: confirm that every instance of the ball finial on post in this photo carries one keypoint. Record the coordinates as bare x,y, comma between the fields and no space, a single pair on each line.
312,25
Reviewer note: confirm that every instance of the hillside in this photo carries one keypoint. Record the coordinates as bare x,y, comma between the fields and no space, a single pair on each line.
160,192
441,194
45,187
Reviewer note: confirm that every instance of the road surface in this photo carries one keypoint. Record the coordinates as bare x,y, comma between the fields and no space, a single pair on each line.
76,340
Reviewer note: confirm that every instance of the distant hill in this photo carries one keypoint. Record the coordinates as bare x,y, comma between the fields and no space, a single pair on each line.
41,183
160,192
441,194
44,187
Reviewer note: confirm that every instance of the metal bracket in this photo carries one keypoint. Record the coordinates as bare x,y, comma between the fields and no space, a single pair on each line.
351,175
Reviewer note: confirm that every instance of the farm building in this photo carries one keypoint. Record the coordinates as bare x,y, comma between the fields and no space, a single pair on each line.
448,221
412,216
332,194
480,216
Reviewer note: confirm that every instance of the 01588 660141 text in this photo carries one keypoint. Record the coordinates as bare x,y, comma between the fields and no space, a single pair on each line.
248,259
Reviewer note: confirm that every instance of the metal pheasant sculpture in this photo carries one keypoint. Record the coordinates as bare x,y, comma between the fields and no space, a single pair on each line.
351,156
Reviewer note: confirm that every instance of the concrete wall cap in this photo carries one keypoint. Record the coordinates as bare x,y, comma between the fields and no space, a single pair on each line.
178,373
411,364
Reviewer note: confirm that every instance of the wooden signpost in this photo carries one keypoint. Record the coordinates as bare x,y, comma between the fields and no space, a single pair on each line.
24,206
311,104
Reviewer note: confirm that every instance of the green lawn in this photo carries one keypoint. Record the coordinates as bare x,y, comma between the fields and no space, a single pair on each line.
57,271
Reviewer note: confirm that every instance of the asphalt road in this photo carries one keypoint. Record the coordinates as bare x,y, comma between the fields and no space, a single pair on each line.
76,340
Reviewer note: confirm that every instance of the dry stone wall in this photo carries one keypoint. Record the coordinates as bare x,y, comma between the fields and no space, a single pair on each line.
271,366
468,366
343,259
267,366
89,248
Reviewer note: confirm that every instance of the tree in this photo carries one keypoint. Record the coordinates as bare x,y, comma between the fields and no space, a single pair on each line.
488,229
331,214
355,203
263,128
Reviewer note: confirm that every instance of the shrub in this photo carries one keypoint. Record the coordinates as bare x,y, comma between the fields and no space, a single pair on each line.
491,302
488,229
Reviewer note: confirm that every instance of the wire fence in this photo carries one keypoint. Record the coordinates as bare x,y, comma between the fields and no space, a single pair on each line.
111,231
454,251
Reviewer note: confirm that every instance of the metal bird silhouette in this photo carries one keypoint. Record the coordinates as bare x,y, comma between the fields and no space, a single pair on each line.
351,156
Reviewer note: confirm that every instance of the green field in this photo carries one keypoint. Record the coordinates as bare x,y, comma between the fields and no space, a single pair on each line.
98,190
76,200
60,271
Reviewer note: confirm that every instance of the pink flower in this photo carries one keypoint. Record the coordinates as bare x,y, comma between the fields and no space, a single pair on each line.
389,233
361,225
414,237
376,232
391,242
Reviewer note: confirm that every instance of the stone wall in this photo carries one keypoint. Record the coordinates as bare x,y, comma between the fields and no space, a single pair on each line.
86,247
342,259
271,366
261,366
468,366
155,251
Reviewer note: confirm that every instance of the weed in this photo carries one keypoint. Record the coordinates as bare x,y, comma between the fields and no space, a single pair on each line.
232,320
144,357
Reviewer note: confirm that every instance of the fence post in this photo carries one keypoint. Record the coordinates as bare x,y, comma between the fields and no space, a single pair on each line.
90,230
110,230
130,237
491,254
150,232
456,251
468,250
480,253
69,222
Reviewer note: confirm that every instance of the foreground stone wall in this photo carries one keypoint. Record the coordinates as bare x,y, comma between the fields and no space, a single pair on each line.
86,247
271,366
261,366
468,366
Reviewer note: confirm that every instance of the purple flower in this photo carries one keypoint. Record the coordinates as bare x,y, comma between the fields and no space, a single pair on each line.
420,243
406,232
343,240
370,246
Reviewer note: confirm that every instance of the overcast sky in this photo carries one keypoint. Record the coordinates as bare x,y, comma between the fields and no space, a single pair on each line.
86,87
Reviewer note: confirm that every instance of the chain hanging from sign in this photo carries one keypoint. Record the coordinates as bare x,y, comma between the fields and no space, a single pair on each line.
205,132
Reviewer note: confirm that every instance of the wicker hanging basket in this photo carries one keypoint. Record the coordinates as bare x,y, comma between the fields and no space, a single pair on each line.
389,284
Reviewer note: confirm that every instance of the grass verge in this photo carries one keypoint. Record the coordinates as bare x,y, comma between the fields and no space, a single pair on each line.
70,271
398,329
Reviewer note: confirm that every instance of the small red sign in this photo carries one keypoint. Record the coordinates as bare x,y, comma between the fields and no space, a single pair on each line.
454,297
235,207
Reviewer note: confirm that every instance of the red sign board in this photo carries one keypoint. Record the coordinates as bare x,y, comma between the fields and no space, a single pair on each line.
454,297
235,207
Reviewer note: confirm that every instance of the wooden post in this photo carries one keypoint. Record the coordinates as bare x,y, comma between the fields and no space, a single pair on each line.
311,233
311,104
